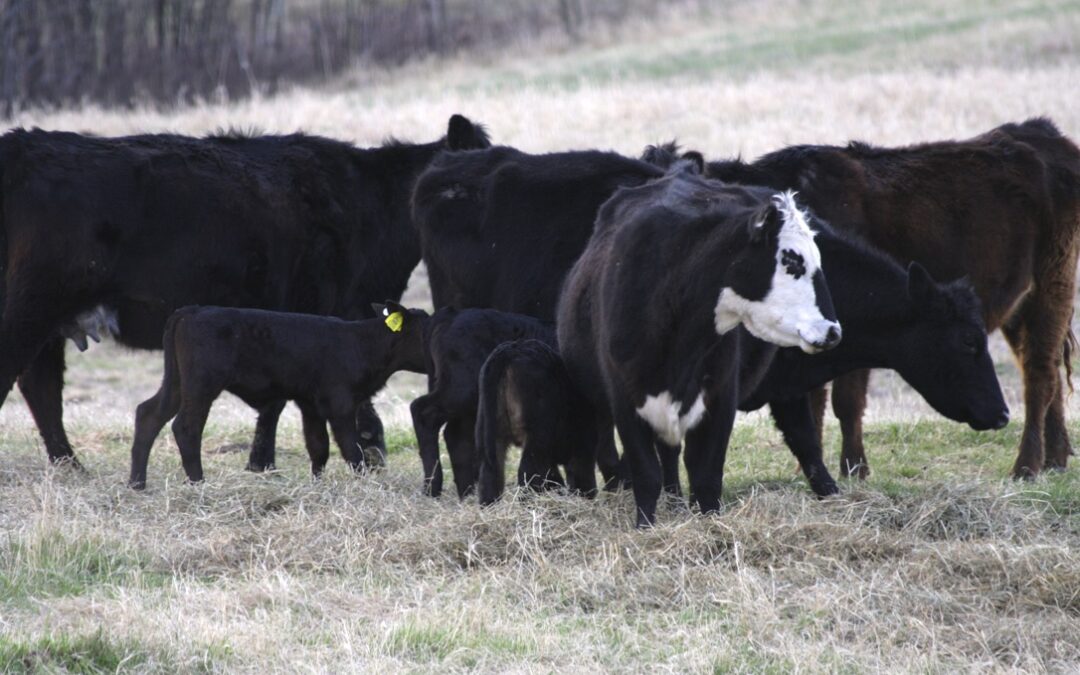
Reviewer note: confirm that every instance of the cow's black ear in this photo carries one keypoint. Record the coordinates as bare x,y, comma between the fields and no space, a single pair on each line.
921,286
697,158
463,134
380,308
764,224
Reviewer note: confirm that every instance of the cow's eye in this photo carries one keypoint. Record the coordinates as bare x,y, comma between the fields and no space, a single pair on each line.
971,344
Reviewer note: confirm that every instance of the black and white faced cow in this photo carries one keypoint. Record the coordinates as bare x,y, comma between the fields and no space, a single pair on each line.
646,320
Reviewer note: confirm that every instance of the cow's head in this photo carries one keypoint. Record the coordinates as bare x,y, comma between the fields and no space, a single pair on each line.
945,355
775,287
464,134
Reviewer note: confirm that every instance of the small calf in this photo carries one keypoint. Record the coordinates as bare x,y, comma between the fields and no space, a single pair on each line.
326,365
528,400
457,343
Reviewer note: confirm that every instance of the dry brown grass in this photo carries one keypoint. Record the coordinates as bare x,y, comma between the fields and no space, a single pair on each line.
936,564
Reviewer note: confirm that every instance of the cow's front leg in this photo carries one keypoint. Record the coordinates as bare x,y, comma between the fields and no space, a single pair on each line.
795,420
42,385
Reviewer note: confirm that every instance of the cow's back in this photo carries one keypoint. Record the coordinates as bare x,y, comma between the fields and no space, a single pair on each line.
501,228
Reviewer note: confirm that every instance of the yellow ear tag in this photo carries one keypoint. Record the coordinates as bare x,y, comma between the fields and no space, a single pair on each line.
394,321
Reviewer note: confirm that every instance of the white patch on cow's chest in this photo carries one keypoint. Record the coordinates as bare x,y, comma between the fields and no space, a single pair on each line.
662,414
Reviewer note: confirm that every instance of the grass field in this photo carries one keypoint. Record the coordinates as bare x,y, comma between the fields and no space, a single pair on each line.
937,563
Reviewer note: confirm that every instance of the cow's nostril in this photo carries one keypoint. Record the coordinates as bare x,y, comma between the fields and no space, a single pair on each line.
832,338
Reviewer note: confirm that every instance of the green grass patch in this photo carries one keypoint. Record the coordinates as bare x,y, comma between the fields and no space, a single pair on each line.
52,565
426,644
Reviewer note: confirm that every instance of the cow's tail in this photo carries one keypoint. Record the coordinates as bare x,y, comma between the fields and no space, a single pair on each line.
492,460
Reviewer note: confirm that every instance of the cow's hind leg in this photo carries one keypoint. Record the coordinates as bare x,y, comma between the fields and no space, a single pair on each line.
264,444
428,418
1037,334
669,468
316,440
607,459
150,417
42,385
849,404
1058,447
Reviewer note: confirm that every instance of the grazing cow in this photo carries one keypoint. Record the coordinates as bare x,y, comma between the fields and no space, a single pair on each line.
500,228
527,399
142,225
647,321
326,365
1002,209
457,342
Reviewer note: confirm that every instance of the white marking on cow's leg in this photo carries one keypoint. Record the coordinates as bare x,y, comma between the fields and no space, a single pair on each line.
662,414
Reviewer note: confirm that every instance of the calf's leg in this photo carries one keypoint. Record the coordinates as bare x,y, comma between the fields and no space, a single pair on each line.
461,445
264,444
42,385
316,440
344,427
150,417
428,418
369,428
849,404
188,430
669,467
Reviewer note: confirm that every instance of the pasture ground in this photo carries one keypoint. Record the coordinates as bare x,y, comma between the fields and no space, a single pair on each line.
937,563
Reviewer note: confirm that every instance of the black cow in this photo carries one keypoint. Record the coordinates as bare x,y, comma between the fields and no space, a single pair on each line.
1002,209
528,399
326,365
647,321
143,225
457,343
500,228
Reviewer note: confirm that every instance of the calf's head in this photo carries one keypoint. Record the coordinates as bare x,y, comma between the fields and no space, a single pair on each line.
406,331
775,286
944,355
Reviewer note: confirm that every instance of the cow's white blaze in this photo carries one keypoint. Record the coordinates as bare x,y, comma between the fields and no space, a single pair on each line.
788,315
662,414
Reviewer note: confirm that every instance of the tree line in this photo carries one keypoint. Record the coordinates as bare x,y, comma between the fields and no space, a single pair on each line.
120,52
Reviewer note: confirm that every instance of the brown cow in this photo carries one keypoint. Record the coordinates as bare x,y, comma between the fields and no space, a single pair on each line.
1002,208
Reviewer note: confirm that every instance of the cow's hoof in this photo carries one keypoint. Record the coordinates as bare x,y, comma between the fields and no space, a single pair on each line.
256,467
66,461
138,485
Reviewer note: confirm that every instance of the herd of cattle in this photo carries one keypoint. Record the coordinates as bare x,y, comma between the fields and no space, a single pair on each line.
578,293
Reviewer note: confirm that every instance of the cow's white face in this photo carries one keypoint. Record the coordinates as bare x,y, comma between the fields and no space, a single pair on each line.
791,312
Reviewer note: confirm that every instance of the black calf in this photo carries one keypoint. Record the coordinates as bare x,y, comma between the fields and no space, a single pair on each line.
457,344
527,399
327,366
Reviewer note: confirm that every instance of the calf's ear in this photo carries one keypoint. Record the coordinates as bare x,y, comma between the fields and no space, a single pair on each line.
764,224
463,134
379,308
921,286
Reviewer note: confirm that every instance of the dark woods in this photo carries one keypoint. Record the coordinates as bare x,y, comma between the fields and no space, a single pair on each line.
118,52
